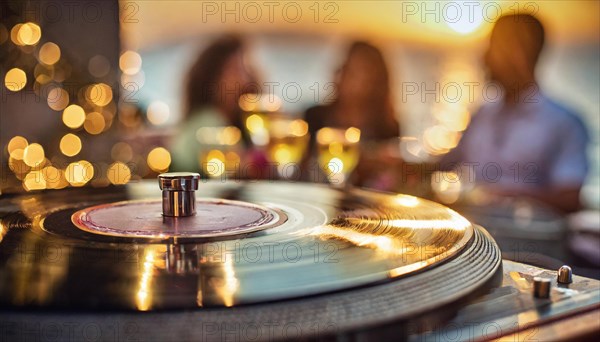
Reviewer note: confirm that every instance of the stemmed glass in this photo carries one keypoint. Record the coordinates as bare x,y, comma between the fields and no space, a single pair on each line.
284,140
338,153
219,155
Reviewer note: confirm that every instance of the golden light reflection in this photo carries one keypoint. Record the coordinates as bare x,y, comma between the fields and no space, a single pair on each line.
249,102
15,79
34,180
94,123
226,287
230,135
17,143
143,297
70,145
29,34
439,140
352,134
118,173
257,128
99,94
73,116
412,232
54,177
213,163
255,123
49,53
227,136
298,128
79,173
407,201
158,113
33,155
130,62
446,186
14,35
338,152
325,135
58,99
159,159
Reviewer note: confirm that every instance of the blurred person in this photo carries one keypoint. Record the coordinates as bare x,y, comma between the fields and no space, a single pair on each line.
363,100
363,97
216,81
523,144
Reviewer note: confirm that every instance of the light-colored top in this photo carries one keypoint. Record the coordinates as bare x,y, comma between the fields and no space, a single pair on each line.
528,146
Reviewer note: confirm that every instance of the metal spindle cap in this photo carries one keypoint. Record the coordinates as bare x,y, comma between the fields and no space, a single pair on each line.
565,275
178,181
178,193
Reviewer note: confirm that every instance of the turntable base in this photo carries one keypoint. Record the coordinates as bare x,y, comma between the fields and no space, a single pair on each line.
507,312
363,265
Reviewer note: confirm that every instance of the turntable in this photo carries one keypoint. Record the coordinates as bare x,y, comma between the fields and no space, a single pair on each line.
191,259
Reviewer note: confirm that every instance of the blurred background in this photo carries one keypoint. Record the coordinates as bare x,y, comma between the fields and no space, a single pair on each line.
94,93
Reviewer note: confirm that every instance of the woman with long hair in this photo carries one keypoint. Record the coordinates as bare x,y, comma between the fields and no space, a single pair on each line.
214,85
363,97
363,100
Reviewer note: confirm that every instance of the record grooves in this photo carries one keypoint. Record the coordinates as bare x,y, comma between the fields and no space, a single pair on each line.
339,259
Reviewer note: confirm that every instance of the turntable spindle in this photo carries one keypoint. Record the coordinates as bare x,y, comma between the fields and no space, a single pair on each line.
178,193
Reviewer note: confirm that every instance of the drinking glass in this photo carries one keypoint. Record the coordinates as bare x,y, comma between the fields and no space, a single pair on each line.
338,153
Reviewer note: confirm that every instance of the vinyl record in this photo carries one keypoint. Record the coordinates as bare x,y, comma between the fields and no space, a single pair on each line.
112,248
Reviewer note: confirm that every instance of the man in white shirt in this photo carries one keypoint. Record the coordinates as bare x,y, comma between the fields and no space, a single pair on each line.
523,144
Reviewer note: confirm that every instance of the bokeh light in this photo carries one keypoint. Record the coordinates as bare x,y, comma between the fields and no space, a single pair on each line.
29,34
446,186
159,159
118,173
298,128
73,116
99,94
33,155
34,180
79,173
94,123
130,62
439,140
16,147
14,34
49,53
54,177
214,163
15,79
158,113
255,123
352,134
58,99
70,145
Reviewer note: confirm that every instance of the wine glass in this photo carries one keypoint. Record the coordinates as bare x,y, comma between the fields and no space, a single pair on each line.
283,139
288,142
338,153
219,154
